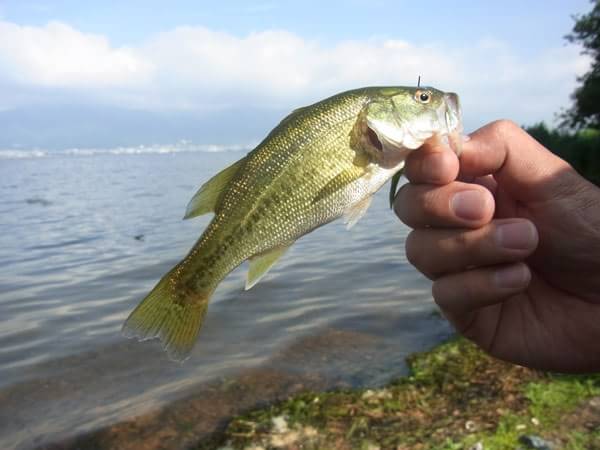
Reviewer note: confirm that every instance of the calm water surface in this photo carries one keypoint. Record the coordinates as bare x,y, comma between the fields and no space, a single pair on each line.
83,237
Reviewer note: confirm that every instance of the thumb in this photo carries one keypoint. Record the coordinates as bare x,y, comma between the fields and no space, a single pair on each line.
520,164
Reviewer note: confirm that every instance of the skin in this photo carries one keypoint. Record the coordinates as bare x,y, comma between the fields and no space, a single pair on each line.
510,236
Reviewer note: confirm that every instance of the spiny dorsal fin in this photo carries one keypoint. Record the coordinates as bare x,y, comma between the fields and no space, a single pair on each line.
394,187
292,114
260,264
356,211
205,200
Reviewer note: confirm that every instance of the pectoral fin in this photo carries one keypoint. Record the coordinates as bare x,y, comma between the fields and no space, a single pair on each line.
394,186
260,264
340,181
356,211
205,200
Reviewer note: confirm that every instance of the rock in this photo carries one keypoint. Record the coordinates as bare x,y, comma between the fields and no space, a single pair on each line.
476,446
470,426
280,425
535,442
371,446
284,440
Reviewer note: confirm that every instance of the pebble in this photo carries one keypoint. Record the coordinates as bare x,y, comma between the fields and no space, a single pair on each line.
470,426
535,442
280,425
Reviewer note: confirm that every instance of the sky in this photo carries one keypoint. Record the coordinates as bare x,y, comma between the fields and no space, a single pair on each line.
98,73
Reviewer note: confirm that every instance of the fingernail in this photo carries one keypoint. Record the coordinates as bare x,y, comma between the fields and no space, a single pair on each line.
431,166
468,205
516,235
512,277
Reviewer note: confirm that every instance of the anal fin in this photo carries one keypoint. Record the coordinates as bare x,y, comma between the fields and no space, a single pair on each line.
260,264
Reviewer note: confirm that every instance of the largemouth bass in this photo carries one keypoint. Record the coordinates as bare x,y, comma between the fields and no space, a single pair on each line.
322,162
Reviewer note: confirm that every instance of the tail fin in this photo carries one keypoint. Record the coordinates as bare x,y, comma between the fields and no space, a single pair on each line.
168,315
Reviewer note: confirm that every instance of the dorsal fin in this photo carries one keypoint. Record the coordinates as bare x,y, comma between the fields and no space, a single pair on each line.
260,264
292,114
205,200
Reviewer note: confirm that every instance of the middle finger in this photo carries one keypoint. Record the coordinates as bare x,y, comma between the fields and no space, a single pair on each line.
454,205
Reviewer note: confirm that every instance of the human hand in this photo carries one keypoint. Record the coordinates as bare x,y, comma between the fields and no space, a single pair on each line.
512,244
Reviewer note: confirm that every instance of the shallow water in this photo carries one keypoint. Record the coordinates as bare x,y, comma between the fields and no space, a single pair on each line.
85,235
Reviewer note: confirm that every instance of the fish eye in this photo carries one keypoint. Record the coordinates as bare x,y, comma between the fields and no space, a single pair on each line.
422,96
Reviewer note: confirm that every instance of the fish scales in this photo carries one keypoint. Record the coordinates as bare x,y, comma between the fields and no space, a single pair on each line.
274,170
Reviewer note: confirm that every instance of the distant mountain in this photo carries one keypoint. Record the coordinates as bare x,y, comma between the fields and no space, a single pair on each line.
68,126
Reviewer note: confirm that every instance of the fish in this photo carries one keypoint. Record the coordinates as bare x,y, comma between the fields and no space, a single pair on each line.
320,163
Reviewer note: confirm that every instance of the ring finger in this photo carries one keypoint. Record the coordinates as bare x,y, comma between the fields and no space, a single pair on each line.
436,252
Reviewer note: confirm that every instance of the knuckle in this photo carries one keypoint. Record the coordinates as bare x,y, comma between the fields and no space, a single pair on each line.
400,203
462,241
423,254
472,287
504,127
439,291
410,205
414,248
430,204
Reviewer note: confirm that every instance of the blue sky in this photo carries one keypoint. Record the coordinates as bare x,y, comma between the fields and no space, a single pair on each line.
204,69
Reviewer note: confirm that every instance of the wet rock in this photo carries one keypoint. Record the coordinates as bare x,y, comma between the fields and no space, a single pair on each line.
535,442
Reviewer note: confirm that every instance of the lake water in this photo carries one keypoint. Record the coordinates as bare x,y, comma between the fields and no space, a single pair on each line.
85,234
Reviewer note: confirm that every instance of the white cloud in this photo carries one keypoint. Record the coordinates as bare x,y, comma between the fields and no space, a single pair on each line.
199,68
57,55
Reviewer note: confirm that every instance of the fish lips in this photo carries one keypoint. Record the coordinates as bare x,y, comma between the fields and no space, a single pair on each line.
451,116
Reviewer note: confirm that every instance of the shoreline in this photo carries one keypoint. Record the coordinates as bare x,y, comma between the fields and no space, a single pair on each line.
453,397
456,397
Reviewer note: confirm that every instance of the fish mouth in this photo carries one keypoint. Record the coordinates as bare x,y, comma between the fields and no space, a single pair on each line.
450,114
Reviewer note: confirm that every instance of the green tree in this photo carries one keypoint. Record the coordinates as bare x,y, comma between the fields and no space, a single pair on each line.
580,148
585,111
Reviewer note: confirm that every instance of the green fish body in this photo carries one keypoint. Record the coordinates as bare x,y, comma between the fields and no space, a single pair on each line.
320,163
